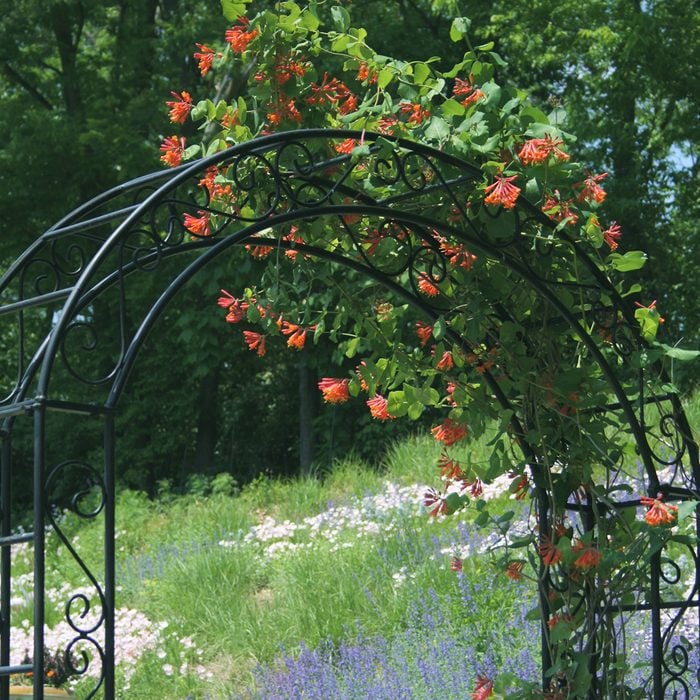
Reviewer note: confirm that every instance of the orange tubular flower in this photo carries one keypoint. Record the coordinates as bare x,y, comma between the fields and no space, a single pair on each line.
297,335
198,225
423,331
514,570
458,255
427,285
465,89
612,235
589,558
205,58
377,407
346,146
483,688
591,191
558,210
549,552
180,107
434,500
446,362
449,432
255,341
334,390
238,38
659,513
172,149
502,191
364,73
416,114
536,151
449,468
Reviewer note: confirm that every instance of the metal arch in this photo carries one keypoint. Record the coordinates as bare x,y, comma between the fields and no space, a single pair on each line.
89,282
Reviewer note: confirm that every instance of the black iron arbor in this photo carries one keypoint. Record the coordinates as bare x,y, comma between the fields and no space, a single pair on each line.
94,262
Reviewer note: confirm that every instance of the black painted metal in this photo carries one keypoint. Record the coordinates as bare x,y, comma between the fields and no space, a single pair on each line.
97,251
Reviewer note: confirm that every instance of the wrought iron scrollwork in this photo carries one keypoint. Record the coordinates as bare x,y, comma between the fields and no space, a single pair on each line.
86,497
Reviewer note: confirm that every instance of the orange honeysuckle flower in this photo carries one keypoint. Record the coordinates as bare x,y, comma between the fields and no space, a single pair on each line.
237,311
389,125
536,151
559,210
259,252
427,285
457,255
502,191
659,513
550,553
450,469
255,341
416,114
238,38
446,362
180,107
205,58
226,299
591,191
466,90
589,558
435,501
294,237
449,432
346,146
198,225
348,106
364,73
287,68
483,688
296,334
476,487
612,235
423,331
518,486
514,570
377,407
334,390
172,149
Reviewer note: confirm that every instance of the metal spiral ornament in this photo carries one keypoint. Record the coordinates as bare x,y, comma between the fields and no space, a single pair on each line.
87,502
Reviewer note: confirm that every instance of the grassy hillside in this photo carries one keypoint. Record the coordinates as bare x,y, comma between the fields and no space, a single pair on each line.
336,585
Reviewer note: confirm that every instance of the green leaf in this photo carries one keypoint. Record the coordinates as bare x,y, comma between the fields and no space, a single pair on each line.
632,260
421,72
452,108
649,320
439,328
341,18
415,410
352,347
460,26
437,130
396,403
233,9
686,509
385,76
678,353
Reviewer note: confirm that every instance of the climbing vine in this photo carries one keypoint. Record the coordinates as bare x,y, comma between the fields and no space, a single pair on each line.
494,297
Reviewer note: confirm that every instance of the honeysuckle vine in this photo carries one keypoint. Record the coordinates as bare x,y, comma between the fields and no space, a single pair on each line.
479,339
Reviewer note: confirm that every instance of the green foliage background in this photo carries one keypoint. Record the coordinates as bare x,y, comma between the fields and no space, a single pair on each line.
83,85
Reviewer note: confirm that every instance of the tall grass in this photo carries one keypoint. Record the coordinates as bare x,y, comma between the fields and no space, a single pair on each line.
331,585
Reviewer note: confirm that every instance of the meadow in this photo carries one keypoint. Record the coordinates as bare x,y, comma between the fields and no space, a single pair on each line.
336,585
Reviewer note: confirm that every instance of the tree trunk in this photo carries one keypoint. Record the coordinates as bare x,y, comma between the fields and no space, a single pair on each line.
207,422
